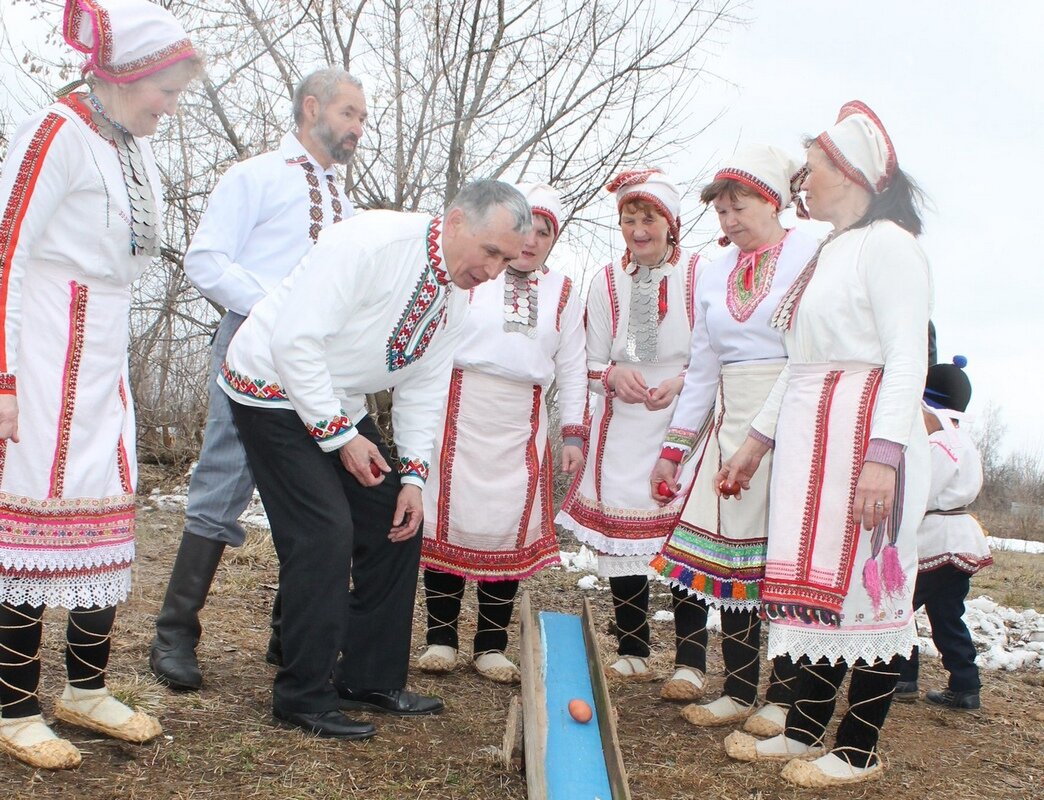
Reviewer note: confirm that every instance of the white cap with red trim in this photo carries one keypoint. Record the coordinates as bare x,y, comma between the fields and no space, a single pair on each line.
860,147
544,201
125,40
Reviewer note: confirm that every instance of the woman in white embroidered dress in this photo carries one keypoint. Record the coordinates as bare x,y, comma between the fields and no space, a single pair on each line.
639,322
850,472
716,555
81,219
488,501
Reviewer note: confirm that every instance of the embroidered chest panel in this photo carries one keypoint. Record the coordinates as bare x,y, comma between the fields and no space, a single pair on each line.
425,310
750,282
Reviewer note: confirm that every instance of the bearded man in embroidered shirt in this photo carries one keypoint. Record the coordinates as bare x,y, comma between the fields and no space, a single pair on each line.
377,304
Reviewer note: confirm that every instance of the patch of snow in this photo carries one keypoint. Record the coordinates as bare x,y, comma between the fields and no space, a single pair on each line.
1015,545
1006,638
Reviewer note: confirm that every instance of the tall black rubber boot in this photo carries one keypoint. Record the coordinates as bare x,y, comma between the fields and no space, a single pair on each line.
173,654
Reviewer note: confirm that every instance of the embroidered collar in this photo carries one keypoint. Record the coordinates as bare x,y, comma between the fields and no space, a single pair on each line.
436,260
294,153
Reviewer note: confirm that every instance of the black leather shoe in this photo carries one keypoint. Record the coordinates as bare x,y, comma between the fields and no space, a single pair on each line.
328,724
965,701
398,702
906,692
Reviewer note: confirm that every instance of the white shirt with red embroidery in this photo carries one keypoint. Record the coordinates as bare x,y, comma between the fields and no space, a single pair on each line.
370,307
952,538
556,351
732,326
261,219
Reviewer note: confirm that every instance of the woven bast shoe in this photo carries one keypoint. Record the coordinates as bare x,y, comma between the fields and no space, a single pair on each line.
723,711
30,741
632,669
97,710
829,770
769,720
744,747
496,666
685,685
438,659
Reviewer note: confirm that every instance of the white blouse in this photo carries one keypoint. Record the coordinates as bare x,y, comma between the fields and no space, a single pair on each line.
556,351
733,325
868,302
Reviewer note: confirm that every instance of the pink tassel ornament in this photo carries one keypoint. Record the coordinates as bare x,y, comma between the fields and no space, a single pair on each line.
894,577
872,582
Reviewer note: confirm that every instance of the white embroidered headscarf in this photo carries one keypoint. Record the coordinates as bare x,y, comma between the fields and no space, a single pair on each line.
860,147
544,201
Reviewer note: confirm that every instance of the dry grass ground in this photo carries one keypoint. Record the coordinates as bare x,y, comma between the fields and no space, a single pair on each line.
220,744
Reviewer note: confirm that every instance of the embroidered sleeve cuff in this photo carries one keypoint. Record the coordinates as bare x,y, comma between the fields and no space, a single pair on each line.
413,470
574,432
673,453
7,383
333,434
765,440
884,451
683,439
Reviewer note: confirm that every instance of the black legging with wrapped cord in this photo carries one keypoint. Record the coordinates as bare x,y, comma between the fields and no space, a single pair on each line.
740,649
88,642
443,593
869,698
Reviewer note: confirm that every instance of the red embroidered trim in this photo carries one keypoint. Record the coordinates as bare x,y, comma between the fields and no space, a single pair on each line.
574,430
690,289
14,212
413,466
754,182
743,300
70,375
449,447
251,387
861,440
8,383
547,212
814,494
532,465
614,300
486,564
326,429
74,102
563,298
425,294
617,527
603,430
122,461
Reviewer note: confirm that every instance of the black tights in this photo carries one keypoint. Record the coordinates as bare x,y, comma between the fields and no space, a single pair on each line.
443,593
21,633
740,650
869,698
631,607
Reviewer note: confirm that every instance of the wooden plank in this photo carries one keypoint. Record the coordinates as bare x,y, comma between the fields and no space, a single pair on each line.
606,716
511,749
534,701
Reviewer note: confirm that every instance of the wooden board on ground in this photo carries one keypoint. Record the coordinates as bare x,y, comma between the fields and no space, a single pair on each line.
566,759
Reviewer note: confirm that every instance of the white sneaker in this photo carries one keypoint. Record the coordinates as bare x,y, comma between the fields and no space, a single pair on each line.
829,770
438,659
769,720
496,666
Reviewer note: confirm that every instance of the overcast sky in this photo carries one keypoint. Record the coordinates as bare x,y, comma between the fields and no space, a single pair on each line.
957,84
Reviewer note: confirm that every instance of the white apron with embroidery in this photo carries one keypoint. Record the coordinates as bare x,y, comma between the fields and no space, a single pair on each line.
67,487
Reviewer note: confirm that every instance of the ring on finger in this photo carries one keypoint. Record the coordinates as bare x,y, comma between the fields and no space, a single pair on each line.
879,504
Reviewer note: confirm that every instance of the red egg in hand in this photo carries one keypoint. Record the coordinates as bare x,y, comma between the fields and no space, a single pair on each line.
729,488
580,710
375,470
664,489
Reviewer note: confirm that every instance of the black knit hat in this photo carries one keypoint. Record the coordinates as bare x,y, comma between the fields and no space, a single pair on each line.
947,385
